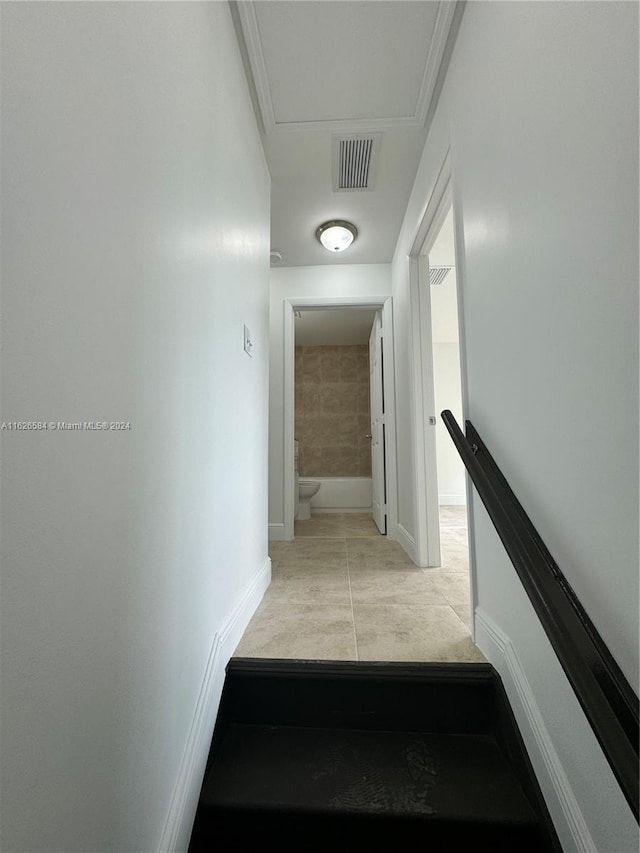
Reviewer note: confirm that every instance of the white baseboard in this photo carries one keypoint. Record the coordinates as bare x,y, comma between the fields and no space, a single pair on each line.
184,801
407,541
276,533
452,500
565,812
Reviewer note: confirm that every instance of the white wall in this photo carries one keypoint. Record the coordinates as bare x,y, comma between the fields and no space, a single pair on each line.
540,108
135,247
343,281
448,395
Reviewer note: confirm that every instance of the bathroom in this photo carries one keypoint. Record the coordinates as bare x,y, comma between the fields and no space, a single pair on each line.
332,411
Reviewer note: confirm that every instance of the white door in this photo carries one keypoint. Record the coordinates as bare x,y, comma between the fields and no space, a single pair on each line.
376,391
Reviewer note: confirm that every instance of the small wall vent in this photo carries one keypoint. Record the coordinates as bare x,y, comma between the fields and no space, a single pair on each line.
354,159
438,274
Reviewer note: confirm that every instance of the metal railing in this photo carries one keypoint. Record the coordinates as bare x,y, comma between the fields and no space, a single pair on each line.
607,698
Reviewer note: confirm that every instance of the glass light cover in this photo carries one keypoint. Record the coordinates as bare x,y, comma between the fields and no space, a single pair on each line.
336,236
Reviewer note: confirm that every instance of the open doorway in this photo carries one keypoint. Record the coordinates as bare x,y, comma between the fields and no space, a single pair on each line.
440,279
339,441
301,306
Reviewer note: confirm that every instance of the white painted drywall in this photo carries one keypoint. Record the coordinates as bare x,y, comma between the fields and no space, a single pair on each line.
446,380
341,282
540,109
135,202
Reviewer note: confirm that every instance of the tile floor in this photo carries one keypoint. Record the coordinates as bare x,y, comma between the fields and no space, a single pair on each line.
341,591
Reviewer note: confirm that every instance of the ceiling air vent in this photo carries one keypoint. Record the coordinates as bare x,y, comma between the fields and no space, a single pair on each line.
438,274
354,159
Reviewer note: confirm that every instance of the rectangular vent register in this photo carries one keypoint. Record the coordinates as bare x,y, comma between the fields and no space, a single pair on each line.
354,160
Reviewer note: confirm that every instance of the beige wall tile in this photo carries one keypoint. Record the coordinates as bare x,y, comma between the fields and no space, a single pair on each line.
363,425
312,397
362,397
349,365
364,462
310,462
347,430
348,397
330,397
332,410
348,462
311,369
363,360
330,361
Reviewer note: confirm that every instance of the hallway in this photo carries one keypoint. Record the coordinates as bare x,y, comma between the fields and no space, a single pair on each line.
340,591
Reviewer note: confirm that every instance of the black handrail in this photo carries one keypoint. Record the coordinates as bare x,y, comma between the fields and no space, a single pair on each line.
607,698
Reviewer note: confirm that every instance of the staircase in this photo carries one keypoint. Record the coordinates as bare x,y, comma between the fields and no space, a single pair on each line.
320,756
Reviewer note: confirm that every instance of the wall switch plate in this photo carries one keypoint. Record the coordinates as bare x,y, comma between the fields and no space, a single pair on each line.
248,346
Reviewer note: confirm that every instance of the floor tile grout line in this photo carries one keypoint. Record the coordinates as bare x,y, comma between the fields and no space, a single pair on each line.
346,533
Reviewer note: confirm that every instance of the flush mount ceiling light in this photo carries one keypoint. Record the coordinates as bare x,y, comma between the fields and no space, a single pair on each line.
337,235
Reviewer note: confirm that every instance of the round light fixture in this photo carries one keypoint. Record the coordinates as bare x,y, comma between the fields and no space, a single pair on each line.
337,235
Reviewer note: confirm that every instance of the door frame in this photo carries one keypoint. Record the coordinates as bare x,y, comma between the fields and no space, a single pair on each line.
377,422
374,303
427,523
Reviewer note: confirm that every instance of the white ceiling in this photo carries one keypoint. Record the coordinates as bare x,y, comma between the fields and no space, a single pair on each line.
349,326
333,327
319,69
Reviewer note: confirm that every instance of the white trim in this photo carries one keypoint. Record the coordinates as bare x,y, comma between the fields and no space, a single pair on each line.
461,278
276,533
308,303
288,432
452,500
569,821
427,523
406,540
347,125
433,63
384,304
422,372
186,792
435,54
251,30
391,459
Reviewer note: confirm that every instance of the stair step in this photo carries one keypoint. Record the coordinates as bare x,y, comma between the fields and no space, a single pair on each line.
430,697
318,755
453,777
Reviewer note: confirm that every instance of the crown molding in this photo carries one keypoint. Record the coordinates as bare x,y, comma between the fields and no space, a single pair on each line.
435,54
251,29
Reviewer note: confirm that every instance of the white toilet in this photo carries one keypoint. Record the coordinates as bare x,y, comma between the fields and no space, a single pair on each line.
305,490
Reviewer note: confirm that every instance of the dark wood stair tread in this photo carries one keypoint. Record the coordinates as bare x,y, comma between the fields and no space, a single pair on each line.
368,757
393,773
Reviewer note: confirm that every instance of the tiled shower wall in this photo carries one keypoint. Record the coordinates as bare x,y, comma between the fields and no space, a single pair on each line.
332,411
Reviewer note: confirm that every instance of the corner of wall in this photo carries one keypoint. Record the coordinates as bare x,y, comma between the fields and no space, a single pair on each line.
184,802
406,540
